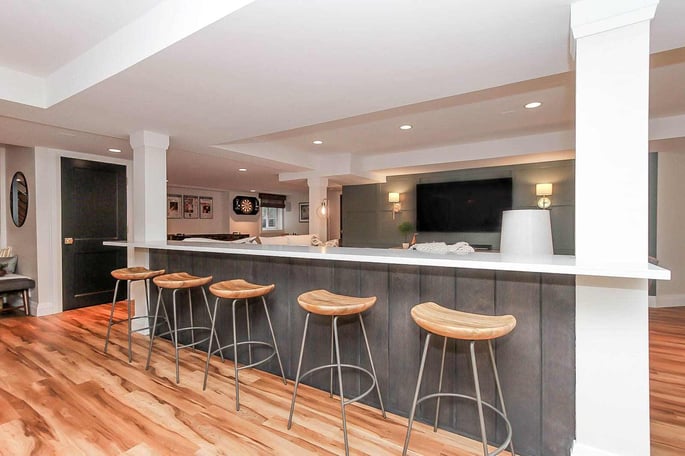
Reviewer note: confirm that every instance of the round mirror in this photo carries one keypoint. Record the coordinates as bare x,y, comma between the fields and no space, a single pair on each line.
19,198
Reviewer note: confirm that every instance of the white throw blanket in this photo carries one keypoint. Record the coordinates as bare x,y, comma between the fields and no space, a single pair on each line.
460,248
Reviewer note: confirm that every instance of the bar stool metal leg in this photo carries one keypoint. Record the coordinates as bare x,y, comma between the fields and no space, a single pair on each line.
209,348
111,314
373,368
416,394
175,337
154,326
442,371
249,346
213,319
340,383
499,393
332,359
192,323
299,368
479,401
273,338
235,359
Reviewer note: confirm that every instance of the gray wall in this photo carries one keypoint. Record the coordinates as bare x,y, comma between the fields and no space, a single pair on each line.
367,216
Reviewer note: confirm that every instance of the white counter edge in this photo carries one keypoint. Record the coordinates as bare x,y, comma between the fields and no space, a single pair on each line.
550,264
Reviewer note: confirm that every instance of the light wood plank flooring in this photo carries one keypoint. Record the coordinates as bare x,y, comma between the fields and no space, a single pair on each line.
667,380
61,395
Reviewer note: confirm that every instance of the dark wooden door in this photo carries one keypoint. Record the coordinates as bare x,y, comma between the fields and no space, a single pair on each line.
93,211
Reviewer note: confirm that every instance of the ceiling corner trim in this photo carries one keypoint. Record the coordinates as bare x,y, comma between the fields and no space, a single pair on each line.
171,21
590,17
22,88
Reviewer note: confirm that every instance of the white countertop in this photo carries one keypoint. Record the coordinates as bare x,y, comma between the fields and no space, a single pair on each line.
551,264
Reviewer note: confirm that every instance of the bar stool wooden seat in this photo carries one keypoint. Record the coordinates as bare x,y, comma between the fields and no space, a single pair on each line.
453,324
241,290
323,302
180,281
130,275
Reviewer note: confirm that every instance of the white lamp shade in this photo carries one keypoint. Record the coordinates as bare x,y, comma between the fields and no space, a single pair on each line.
393,197
543,189
526,232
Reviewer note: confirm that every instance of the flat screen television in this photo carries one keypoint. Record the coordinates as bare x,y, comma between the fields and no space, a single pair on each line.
474,206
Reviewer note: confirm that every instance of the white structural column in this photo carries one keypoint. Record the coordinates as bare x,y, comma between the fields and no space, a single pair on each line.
318,191
612,345
149,200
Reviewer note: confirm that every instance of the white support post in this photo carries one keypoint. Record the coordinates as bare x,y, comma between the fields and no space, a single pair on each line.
318,191
149,201
612,346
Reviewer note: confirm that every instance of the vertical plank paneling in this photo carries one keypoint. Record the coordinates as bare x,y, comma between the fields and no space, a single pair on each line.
536,361
518,358
437,285
558,363
403,335
346,282
374,282
476,294
311,275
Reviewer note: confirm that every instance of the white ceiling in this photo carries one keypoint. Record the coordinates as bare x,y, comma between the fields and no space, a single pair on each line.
252,85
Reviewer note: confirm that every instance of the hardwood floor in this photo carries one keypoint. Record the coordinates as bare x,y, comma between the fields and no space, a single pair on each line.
667,380
61,395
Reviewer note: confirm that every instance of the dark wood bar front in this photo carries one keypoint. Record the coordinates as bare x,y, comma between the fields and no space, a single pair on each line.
536,361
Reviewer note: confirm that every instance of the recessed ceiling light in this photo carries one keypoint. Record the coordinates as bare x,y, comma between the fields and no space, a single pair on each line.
242,170
114,150
405,127
317,142
252,191
533,105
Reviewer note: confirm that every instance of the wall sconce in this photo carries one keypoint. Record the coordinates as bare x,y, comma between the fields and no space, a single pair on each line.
543,191
394,198
322,211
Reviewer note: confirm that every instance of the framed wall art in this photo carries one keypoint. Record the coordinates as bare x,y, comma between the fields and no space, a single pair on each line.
173,206
206,207
304,212
190,207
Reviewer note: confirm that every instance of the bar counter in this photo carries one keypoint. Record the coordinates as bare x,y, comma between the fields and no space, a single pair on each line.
536,361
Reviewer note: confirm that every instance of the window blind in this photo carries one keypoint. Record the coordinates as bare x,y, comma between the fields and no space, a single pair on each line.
271,200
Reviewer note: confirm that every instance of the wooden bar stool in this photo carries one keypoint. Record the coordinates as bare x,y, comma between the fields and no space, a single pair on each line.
239,290
323,302
454,324
132,274
180,281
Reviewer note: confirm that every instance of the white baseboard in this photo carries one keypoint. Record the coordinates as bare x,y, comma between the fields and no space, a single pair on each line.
40,309
671,300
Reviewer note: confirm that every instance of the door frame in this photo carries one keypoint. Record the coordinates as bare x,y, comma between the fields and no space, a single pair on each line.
48,197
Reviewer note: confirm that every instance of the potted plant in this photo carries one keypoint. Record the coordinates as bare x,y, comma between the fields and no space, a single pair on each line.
406,228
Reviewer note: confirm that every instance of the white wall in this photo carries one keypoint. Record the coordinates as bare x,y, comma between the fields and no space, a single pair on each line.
218,224
670,236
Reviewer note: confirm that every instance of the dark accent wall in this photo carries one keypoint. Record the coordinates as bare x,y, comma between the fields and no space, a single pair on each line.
536,361
367,216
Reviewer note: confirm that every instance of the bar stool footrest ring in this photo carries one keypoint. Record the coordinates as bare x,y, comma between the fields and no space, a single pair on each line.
349,366
188,328
504,445
249,342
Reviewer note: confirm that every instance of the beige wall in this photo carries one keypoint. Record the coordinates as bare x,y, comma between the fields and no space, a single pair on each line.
22,239
218,224
227,221
670,234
